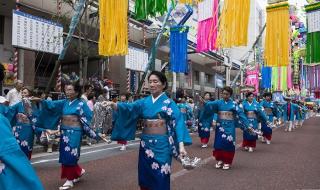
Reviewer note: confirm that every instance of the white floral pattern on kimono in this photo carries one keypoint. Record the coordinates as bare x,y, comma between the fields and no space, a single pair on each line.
166,169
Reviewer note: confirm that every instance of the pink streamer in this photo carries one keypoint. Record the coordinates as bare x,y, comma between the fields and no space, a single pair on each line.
208,31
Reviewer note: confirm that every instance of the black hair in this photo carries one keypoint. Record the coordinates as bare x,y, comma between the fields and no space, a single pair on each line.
76,87
267,94
162,78
249,94
228,89
91,96
86,87
207,93
6,91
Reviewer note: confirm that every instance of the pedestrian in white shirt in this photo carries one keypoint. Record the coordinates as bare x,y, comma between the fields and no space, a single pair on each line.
14,95
87,90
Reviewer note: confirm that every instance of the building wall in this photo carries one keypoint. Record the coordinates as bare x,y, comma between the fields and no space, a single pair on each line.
6,50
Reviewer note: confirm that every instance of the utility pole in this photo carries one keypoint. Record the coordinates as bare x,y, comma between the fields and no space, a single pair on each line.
80,56
86,47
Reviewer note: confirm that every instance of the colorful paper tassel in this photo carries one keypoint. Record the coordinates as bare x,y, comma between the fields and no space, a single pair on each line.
234,21
149,8
277,45
208,31
113,17
178,49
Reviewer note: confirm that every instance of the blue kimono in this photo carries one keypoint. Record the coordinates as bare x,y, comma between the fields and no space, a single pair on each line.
155,151
23,118
16,171
71,136
271,111
204,130
225,133
186,111
3,109
257,109
294,108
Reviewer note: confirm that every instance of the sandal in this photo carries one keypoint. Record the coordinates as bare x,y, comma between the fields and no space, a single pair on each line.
226,166
219,164
67,185
78,179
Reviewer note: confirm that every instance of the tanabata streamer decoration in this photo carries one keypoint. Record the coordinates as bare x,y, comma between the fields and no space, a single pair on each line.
178,49
189,1
266,77
113,38
234,20
277,45
207,25
149,8
281,78
313,77
313,37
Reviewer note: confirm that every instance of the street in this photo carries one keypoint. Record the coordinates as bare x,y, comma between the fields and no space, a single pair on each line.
290,162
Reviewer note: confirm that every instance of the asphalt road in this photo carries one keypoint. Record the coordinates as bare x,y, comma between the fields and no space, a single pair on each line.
292,161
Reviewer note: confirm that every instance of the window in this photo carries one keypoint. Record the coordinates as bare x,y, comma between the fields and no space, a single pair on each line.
196,76
1,29
208,79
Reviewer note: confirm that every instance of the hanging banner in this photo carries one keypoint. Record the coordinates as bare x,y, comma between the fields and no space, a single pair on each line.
136,59
313,21
35,33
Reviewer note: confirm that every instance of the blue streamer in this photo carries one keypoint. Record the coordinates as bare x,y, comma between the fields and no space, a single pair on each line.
266,77
178,49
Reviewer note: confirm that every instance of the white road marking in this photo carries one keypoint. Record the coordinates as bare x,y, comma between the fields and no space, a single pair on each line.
85,153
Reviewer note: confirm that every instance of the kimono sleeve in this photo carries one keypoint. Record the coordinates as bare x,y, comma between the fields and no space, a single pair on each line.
261,114
275,110
125,120
50,114
242,118
182,133
209,109
85,119
12,112
215,117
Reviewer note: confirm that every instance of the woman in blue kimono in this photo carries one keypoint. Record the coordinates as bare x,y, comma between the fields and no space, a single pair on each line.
204,130
270,109
185,110
254,112
23,117
164,134
75,118
229,116
289,111
16,171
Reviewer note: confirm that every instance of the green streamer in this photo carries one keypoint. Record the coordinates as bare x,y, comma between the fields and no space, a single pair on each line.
149,8
275,78
284,79
313,48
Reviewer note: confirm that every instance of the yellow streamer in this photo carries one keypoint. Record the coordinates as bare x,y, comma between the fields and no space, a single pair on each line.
189,1
277,45
234,21
113,38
